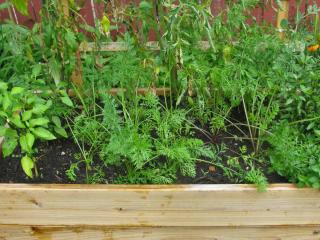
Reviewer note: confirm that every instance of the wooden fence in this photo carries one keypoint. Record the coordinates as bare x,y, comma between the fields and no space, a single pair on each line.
264,11
112,212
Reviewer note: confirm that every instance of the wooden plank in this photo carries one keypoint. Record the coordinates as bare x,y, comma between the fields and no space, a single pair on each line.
140,91
165,233
156,206
122,46
113,46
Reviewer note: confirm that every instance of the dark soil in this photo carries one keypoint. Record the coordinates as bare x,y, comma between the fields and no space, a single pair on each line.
55,157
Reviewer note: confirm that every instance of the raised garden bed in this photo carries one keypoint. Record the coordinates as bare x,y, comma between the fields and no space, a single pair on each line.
216,99
103,212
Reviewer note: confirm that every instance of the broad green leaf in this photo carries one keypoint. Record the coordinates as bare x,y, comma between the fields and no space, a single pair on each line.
17,90
26,115
3,114
38,122
40,109
289,101
26,142
11,133
3,130
145,6
23,144
49,103
8,146
61,131
36,70
31,99
67,101
17,121
55,70
56,121
21,6
105,24
27,165
16,107
43,133
6,102
30,140
3,86
317,132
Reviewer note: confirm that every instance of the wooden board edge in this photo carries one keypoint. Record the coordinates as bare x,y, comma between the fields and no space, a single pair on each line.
157,206
176,187
295,232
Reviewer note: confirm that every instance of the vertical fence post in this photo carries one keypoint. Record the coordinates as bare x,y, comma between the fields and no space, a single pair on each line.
65,8
76,76
283,14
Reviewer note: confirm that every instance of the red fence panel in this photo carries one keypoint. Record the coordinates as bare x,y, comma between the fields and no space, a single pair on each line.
267,13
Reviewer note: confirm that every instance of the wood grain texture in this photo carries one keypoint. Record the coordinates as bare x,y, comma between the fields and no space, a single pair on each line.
283,14
157,206
163,91
161,233
122,46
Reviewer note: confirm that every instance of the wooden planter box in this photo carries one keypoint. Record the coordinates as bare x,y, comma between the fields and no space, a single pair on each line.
122,212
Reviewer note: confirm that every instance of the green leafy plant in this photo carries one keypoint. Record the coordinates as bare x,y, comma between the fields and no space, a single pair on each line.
27,119
244,167
294,156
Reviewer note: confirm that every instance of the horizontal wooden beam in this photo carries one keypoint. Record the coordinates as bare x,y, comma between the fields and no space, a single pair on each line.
140,91
9,232
158,206
122,46
112,46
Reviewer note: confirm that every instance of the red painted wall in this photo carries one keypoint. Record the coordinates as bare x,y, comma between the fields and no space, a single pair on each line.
268,14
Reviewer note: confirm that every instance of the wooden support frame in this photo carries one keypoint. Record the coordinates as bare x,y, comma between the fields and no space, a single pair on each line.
65,8
283,14
132,212
139,91
122,46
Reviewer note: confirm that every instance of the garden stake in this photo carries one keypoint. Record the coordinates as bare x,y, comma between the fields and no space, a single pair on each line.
283,14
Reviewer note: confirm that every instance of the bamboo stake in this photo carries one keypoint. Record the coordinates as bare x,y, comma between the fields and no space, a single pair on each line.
15,15
93,9
283,14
